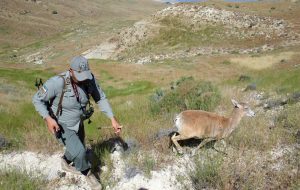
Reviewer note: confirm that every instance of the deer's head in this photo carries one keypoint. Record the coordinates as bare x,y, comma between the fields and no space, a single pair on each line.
243,108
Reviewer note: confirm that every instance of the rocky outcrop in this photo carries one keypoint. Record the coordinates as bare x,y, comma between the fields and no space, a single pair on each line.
241,25
271,32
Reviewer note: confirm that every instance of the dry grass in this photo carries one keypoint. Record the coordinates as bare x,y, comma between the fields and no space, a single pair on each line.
75,28
262,62
249,164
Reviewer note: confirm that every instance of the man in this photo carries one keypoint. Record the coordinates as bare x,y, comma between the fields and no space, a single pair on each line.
62,102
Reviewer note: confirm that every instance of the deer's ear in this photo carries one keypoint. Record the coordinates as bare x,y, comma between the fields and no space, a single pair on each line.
235,103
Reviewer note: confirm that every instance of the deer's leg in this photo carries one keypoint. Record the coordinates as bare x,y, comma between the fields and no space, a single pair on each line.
175,138
204,142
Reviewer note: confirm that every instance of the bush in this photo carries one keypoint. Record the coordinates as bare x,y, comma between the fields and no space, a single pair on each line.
206,174
185,93
15,179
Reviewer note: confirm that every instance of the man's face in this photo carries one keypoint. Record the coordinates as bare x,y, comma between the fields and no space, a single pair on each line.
75,79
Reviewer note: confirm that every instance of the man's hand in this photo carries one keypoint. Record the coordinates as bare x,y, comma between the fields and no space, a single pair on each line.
52,125
117,127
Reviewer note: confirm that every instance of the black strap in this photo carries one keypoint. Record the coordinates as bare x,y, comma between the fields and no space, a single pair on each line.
75,91
59,107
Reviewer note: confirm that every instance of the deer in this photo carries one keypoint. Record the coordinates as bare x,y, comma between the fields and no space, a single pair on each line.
208,126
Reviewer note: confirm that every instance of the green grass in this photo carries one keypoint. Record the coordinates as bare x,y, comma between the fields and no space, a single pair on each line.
148,164
25,78
185,93
207,172
257,134
281,81
105,75
22,123
4,30
254,133
175,32
40,43
226,62
175,35
15,180
136,87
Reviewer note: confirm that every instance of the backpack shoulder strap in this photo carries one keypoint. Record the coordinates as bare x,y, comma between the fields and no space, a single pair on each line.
59,107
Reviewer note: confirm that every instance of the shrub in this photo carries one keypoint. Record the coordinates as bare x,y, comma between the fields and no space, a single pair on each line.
206,173
185,93
289,123
17,180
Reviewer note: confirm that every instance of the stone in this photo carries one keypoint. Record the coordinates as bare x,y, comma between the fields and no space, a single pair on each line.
244,78
250,87
130,172
3,142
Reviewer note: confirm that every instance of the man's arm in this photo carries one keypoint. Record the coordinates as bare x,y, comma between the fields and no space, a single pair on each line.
101,100
48,91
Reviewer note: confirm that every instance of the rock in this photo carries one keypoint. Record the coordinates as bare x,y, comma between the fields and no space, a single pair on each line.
131,172
61,174
112,145
165,132
131,144
236,24
244,78
54,12
3,142
144,60
274,103
298,137
24,12
294,98
250,87
296,95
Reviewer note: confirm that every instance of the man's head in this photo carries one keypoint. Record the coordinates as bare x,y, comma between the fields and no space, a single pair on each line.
80,69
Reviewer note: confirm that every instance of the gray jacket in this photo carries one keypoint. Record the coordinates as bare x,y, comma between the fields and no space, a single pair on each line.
71,109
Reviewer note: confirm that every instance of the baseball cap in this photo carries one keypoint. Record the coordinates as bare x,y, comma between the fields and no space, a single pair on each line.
81,68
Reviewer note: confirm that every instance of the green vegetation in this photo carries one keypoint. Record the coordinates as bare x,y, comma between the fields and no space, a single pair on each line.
261,152
24,128
289,122
137,87
226,62
281,81
4,30
100,155
14,180
148,164
207,172
175,34
254,134
185,93
25,78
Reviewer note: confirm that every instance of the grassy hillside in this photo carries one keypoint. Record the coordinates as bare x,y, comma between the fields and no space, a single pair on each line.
65,28
145,98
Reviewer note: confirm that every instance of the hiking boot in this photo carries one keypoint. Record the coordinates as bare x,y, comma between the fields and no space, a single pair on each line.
68,167
93,181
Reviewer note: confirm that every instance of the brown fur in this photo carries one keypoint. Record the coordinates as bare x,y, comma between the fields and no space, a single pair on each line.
206,125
